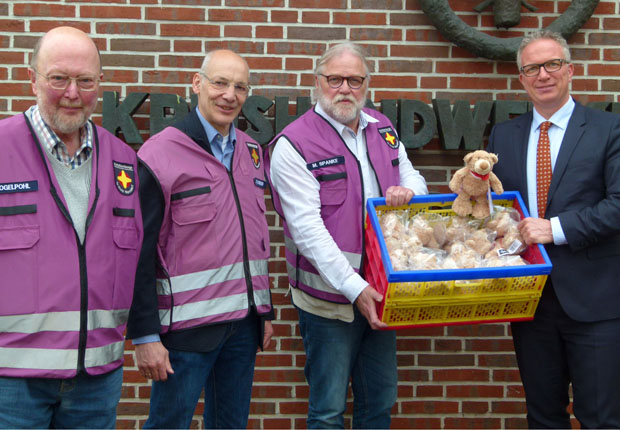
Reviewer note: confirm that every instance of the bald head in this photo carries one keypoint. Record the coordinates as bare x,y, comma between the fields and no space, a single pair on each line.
64,39
222,55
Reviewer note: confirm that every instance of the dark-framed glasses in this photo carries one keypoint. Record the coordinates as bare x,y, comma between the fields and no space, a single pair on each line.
550,66
223,85
335,81
59,81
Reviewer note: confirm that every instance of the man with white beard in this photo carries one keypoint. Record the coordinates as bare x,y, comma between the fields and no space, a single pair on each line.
322,168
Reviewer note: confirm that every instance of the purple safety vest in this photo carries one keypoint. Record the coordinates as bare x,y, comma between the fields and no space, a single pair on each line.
213,245
64,305
341,190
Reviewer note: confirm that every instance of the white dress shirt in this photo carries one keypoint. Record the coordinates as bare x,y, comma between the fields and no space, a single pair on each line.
298,190
559,122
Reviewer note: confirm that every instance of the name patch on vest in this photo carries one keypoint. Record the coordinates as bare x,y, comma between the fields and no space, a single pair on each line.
124,178
389,136
253,147
259,183
324,163
19,187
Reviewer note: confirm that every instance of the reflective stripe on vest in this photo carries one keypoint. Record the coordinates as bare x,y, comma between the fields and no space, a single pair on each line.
61,321
314,279
216,305
59,359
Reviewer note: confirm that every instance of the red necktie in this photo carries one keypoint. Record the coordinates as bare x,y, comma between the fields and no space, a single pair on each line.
543,168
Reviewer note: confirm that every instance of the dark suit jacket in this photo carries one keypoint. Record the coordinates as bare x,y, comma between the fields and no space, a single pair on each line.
585,195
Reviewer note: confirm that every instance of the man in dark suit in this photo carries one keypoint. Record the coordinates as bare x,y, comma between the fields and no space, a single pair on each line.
575,335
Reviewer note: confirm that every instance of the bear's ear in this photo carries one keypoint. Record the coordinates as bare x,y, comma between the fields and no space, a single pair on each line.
468,157
494,158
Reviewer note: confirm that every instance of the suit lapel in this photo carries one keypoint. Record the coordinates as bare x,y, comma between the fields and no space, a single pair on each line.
522,136
574,131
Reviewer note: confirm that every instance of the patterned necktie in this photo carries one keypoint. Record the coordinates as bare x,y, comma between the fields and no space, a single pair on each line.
543,168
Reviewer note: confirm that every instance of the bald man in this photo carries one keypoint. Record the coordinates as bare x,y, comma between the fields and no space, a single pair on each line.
70,231
202,304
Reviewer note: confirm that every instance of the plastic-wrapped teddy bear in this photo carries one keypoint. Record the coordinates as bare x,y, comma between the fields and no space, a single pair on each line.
473,182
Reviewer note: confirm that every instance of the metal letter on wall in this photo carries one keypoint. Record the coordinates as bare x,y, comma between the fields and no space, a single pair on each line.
117,116
410,110
253,110
165,110
497,48
457,125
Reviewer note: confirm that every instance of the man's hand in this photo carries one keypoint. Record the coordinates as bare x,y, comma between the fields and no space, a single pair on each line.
153,361
267,335
397,195
535,230
366,303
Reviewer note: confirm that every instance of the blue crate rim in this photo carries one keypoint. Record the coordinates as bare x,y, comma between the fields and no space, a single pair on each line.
460,274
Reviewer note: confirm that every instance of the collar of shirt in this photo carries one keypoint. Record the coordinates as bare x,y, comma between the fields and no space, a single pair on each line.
55,146
559,119
365,119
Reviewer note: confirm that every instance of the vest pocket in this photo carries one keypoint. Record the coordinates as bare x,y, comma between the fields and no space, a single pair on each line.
126,257
19,265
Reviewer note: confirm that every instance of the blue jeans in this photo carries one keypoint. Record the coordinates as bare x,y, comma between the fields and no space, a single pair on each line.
80,402
337,351
226,374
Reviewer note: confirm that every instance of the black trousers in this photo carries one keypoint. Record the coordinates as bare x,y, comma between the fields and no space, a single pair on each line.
555,351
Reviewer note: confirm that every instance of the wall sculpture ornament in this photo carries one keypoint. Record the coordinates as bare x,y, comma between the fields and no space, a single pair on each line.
506,14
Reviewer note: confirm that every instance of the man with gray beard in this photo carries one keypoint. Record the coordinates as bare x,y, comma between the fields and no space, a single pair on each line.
322,168
70,230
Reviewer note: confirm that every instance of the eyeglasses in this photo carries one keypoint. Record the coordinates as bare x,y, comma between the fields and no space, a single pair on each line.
550,66
61,82
335,81
223,85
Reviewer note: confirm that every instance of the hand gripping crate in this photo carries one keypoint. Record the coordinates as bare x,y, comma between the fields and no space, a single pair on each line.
420,298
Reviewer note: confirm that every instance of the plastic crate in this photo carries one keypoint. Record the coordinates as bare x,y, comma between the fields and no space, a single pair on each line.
419,298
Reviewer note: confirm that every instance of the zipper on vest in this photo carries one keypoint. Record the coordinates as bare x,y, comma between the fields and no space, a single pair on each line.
246,258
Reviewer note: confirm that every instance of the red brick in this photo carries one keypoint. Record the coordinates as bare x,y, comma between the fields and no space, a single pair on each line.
196,30
420,51
489,345
310,33
299,64
277,423
321,4
461,375
477,408
44,26
12,25
315,17
371,33
264,63
46,10
415,423
472,423
508,407
175,14
269,32
187,46
429,390
146,45
284,16
430,407
359,18
373,4
238,31
237,15
470,391
238,46
293,408
394,81
273,360
103,12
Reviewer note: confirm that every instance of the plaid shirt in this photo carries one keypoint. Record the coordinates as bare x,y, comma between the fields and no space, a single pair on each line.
55,146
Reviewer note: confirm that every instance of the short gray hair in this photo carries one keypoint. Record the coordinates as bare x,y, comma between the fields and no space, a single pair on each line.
543,34
339,49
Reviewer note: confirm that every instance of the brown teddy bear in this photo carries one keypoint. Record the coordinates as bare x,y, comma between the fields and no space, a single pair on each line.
472,182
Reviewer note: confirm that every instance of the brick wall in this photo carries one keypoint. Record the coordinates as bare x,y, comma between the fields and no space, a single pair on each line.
450,377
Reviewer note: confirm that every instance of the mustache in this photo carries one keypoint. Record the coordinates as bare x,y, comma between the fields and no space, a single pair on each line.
343,97
71,105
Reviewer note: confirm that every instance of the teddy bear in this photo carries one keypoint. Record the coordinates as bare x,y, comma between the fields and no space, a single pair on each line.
472,182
